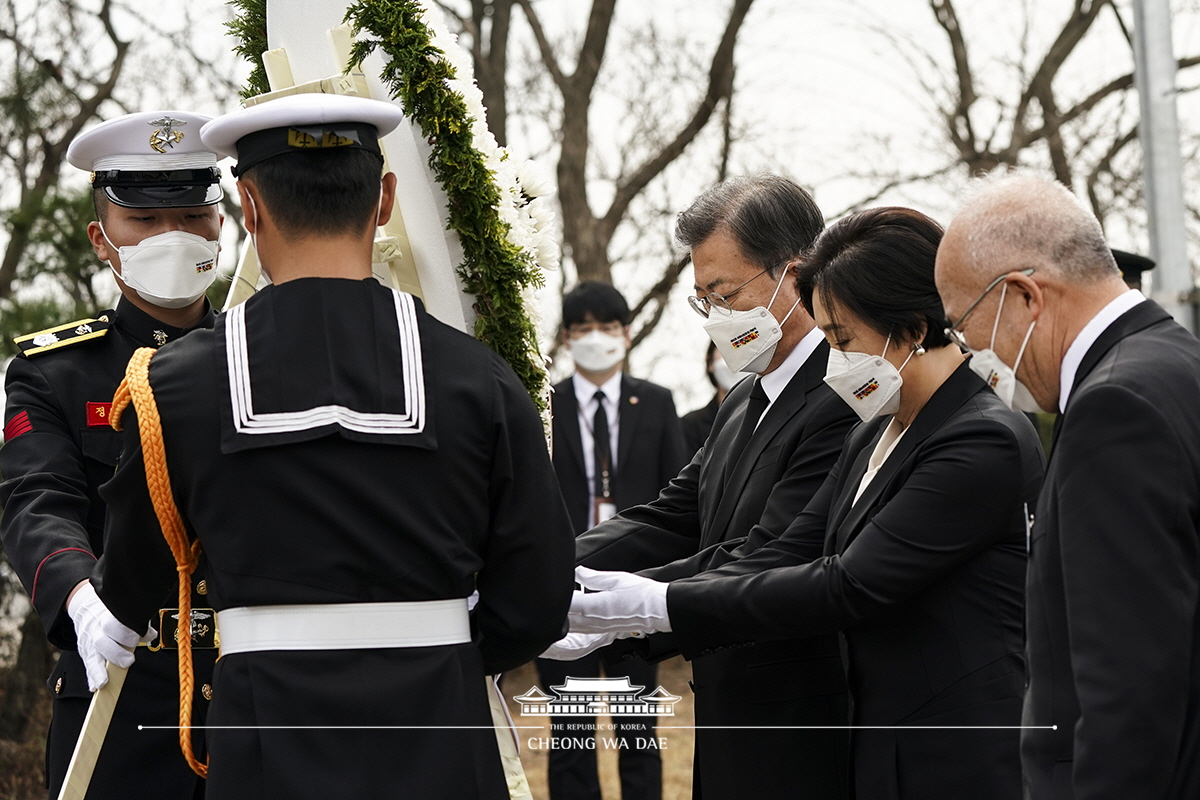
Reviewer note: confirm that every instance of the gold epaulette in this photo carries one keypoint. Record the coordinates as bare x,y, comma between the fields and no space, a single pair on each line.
34,344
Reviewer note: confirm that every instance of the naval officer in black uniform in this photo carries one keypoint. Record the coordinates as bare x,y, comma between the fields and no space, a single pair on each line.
354,470
156,191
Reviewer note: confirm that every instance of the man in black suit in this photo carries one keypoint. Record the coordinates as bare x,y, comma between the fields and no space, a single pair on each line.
774,440
698,424
1113,589
617,442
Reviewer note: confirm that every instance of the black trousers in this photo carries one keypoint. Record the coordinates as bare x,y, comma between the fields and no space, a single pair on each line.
133,760
571,767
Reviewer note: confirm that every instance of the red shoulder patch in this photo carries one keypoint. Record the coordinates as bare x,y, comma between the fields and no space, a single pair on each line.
17,425
98,414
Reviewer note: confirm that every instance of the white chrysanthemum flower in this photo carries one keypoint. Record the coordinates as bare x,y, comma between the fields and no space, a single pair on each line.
535,179
542,211
508,214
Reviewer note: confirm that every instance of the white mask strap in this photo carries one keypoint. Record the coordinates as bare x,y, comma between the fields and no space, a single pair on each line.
778,286
254,240
106,239
996,324
789,313
1024,342
775,294
254,206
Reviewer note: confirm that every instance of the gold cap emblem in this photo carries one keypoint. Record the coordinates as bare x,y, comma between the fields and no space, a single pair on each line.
165,135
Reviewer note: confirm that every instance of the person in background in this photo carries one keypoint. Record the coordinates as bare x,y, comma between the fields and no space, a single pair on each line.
617,443
1132,266
698,424
155,187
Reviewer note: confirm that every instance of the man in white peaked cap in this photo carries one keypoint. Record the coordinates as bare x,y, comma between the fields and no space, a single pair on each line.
155,188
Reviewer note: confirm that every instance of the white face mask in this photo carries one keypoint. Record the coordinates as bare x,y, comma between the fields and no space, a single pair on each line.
869,384
170,270
723,375
999,376
747,339
597,351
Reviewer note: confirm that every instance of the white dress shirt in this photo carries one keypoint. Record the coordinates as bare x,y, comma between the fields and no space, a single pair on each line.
883,448
774,382
1087,337
585,398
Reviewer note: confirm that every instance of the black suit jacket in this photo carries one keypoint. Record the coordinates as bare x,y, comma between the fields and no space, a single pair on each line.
650,447
53,531
1114,575
924,577
718,498
698,424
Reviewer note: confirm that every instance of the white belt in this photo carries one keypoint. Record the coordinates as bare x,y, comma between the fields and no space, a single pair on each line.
343,626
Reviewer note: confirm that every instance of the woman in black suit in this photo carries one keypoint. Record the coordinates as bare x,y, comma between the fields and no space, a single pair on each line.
914,548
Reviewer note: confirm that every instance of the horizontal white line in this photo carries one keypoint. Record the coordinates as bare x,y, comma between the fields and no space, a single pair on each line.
867,727
660,727
332,727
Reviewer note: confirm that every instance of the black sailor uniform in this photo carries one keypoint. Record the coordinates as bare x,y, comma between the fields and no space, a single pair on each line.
330,442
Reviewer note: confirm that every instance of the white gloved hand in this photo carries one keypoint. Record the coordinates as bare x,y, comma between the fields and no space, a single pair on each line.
578,645
625,603
100,636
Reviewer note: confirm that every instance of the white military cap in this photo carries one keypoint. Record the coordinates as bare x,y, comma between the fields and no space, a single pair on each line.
309,121
151,159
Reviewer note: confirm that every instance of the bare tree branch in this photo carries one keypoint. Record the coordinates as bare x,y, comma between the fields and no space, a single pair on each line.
893,183
1082,17
720,85
1107,90
33,196
547,52
586,240
658,294
958,119
1104,166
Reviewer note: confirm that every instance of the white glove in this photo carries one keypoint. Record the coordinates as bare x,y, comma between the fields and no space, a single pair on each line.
100,636
625,603
578,645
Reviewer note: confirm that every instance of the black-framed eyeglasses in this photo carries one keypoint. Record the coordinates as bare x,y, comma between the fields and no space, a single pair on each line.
952,329
704,305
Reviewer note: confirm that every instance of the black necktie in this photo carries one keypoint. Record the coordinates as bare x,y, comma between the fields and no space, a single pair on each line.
600,447
754,410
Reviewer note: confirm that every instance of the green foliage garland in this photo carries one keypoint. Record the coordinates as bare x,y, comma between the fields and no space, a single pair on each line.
249,27
494,270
